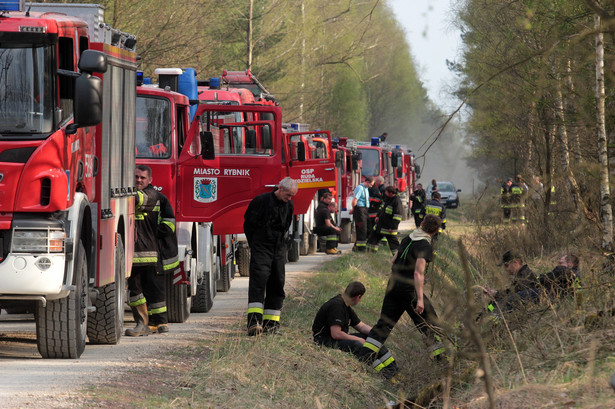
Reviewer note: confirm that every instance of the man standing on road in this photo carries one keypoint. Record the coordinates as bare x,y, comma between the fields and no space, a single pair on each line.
155,255
360,202
387,221
436,208
375,200
324,226
405,292
418,199
266,223
331,325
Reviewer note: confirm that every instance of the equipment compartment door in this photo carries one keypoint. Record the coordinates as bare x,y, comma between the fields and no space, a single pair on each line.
312,165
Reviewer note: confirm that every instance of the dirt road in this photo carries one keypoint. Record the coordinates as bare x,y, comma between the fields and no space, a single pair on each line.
28,381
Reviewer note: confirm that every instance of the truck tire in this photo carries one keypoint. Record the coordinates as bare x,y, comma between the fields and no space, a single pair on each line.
346,235
224,284
61,326
305,244
106,324
178,300
243,259
204,298
293,251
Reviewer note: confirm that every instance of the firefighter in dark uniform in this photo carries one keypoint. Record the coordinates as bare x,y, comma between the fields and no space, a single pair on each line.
155,255
387,221
418,199
360,203
324,226
436,208
331,324
266,223
375,200
505,200
518,195
405,292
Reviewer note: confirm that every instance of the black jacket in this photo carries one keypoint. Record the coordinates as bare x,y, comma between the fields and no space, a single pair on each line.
156,241
390,213
267,218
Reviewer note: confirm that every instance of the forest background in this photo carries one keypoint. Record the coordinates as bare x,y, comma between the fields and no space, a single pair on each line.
535,81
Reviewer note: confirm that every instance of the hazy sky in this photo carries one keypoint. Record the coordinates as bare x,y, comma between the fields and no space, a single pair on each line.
433,40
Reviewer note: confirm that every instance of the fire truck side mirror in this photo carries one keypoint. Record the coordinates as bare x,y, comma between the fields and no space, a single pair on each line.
339,159
207,145
301,152
93,61
417,171
355,160
87,100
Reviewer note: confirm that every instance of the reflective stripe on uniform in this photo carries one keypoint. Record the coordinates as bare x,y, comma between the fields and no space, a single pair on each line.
137,300
255,307
157,308
382,362
371,343
271,315
332,237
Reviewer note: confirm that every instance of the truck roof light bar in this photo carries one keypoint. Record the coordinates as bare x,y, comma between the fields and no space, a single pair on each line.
11,5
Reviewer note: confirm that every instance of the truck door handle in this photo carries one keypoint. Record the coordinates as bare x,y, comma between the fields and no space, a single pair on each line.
329,168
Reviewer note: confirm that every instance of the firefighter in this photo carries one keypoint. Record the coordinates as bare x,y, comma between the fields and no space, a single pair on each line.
524,286
505,200
331,324
405,292
518,195
418,199
375,200
360,202
266,223
155,255
324,226
436,208
387,221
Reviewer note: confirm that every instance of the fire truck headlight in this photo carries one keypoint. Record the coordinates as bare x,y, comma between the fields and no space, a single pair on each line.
43,263
38,241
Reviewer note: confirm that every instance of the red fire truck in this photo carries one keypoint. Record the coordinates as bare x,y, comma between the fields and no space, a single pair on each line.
393,163
312,165
66,172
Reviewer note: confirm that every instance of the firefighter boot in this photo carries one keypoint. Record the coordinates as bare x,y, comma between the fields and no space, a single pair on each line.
140,314
271,327
255,324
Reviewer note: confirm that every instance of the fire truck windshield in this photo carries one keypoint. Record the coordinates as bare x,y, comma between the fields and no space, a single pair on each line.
153,127
26,94
371,162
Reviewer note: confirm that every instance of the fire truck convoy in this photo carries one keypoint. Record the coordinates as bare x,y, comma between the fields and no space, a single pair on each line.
67,154
66,172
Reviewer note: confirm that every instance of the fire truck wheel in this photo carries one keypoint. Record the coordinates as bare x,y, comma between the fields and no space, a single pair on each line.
243,259
204,299
305,244
346,235
224,284
106,324
293,251
61,325
178,301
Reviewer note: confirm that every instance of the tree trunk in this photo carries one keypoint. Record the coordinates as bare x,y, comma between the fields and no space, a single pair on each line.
605,192
574,139
250,33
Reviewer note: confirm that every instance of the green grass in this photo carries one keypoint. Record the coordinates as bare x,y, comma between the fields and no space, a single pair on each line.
542,357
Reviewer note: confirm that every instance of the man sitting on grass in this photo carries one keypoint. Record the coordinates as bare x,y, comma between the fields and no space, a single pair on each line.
333,320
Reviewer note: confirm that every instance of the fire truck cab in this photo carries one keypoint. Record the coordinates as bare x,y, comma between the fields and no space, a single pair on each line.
66,172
